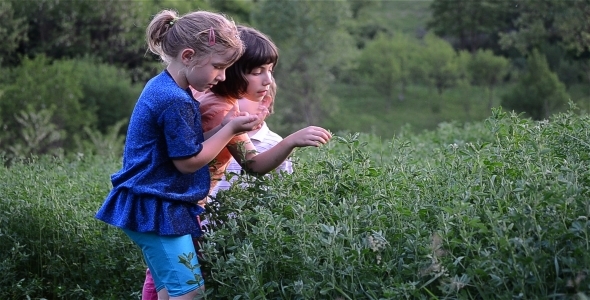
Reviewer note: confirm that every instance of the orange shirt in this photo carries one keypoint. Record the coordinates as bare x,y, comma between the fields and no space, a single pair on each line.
213,109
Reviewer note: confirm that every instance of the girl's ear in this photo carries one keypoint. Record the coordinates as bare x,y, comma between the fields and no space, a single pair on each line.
187,55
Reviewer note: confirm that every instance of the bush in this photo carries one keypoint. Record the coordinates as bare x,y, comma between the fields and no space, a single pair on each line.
492,210
37,84
538,92
51,246
80,93
110,92
433,216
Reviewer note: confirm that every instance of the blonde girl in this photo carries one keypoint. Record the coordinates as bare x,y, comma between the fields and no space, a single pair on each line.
165,161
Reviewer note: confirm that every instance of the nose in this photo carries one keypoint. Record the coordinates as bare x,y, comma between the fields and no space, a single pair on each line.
221,75
267,79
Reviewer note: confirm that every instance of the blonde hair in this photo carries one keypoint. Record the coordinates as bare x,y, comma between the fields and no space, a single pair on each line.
272,93
168,34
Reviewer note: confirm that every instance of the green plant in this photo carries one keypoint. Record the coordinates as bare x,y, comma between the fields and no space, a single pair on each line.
37,135
50,244
110,144
538,93
64,101
490,211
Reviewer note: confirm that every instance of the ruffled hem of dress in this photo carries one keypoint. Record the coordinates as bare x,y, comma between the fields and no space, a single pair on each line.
147,213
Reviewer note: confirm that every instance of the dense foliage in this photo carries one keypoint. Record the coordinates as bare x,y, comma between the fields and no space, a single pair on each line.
496,210
490,210
467,210
51,247
81,65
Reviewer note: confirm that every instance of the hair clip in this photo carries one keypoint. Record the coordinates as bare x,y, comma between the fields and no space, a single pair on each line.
211,37
173,21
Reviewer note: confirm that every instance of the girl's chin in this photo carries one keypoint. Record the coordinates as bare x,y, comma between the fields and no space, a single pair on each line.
256,99
203,87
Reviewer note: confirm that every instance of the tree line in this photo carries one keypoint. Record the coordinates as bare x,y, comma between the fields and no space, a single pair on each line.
70,71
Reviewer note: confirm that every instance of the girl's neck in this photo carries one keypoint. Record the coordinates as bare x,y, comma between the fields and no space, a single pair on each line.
177,74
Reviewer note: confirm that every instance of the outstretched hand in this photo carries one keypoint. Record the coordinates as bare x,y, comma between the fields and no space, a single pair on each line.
310,136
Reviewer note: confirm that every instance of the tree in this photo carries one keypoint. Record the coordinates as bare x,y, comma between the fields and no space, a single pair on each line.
405,49
544,24
538,92
439,66
380,68
363,25
358,6
472,24
313,49
387,63
239,10
550,21
12,32
111,30
488,70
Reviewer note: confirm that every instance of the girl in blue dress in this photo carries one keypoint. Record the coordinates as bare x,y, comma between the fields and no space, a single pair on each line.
165,161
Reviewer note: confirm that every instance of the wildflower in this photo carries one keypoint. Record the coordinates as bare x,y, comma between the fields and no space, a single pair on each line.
377,243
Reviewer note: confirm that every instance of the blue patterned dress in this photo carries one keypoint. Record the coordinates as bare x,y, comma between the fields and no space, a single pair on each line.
149,194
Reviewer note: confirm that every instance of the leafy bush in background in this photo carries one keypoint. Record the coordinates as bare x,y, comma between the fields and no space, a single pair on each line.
538,91
78,93
36,135
36,85
109,92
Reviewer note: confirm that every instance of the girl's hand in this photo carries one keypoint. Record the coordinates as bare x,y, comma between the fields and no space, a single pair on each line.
262,113
232,113
244,123
310,136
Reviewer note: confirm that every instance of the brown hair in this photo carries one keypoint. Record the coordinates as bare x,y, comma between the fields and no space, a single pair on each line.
168,34
260,50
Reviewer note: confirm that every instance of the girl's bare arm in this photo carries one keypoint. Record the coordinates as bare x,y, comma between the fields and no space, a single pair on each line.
269,160
215,143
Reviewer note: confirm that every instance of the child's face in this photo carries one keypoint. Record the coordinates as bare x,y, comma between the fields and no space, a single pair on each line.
209,71
259,81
